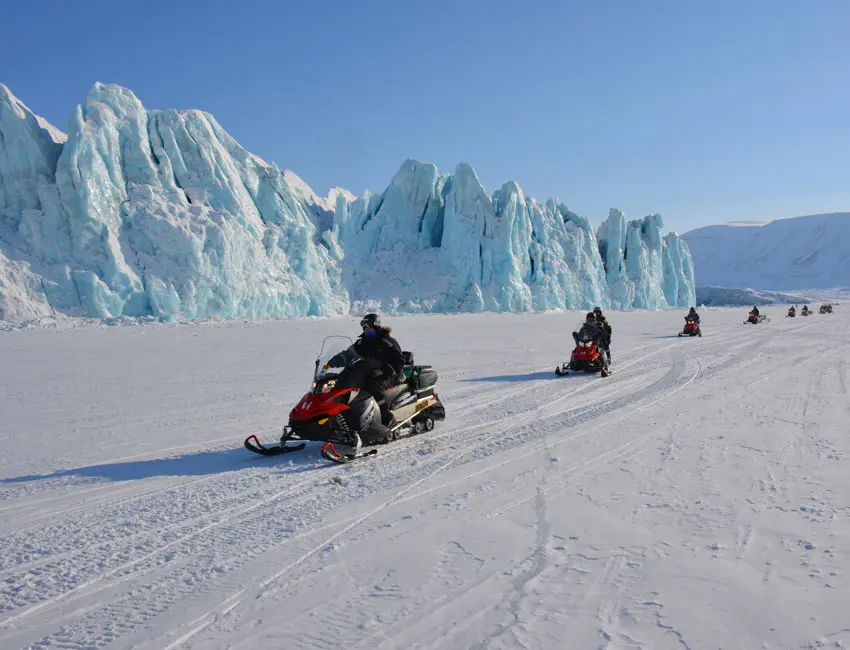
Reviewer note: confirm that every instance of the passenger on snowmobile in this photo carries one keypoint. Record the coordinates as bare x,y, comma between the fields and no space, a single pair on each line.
605,329
375,343
692,315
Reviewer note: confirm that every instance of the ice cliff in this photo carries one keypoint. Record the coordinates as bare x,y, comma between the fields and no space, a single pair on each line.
161,213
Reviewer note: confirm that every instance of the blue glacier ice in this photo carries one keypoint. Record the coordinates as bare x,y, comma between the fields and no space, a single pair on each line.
161,213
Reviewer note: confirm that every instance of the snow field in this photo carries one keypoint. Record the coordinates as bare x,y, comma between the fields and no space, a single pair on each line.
695,498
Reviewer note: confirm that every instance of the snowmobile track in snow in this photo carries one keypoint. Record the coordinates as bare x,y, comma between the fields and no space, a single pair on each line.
172,570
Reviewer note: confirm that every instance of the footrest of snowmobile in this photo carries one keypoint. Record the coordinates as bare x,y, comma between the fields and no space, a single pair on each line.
330,453
252,443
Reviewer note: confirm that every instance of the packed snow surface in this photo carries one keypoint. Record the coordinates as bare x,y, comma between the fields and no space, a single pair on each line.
161,213
811,252
696,498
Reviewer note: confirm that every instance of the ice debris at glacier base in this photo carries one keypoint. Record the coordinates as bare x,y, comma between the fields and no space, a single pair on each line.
161,213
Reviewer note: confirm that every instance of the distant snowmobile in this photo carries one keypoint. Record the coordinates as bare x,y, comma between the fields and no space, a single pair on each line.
691,328
792,313
337,410
755,318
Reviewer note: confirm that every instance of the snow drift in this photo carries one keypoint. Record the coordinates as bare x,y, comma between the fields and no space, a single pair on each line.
811,252
161,213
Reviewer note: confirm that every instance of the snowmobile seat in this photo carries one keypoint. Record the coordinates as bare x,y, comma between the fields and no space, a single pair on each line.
391,394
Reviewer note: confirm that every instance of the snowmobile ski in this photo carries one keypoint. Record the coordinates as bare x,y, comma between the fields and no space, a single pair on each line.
330,453
253,443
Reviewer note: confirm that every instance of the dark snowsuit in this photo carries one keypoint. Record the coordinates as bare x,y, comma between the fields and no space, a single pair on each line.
692,315
384,350
605,335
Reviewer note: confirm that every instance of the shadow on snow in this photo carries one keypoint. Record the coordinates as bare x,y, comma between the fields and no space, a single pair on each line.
531,376
201,463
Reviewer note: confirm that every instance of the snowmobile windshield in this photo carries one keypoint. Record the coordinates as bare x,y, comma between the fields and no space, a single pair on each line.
586,333
336,355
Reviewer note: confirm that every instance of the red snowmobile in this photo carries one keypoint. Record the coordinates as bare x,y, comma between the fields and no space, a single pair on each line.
586,357
691,328
337,410
752,319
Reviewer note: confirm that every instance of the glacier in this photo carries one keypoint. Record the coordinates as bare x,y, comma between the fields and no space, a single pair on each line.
161,213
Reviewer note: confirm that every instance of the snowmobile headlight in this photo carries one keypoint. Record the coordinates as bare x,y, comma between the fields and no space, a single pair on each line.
329,386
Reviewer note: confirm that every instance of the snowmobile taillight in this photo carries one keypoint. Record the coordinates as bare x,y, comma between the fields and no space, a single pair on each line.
323,420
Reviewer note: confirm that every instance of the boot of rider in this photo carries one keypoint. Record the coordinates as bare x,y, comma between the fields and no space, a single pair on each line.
377,434
387,417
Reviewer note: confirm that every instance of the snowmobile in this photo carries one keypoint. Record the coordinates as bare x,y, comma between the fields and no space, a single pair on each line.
825,309
691,328
755,320
805,311
792,313
586,357
337,409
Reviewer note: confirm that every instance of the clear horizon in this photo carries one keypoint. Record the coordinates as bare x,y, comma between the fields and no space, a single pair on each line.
704,114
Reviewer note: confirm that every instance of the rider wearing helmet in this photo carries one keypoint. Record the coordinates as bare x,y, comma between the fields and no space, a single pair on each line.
375,343
605,328
692,315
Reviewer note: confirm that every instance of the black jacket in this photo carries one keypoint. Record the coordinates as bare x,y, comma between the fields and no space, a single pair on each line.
692,315
591,330
382,348
605,330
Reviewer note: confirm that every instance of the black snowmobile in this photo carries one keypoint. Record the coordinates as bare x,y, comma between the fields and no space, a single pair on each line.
338,411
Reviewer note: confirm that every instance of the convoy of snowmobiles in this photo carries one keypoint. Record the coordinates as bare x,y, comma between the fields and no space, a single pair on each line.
344,410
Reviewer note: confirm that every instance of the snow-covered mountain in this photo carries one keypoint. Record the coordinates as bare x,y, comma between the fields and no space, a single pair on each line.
160,212
811,252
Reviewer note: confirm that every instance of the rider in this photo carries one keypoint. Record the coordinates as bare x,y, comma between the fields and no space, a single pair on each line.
792,311
592,329
375,343
754,311
605,329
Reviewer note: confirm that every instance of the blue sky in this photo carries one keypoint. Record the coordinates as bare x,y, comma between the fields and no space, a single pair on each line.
705,112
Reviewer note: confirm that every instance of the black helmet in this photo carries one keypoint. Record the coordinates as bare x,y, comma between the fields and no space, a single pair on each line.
371,320
597,310
590,316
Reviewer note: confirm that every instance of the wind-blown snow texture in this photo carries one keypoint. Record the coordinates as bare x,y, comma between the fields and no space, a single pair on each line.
811,252
160,212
